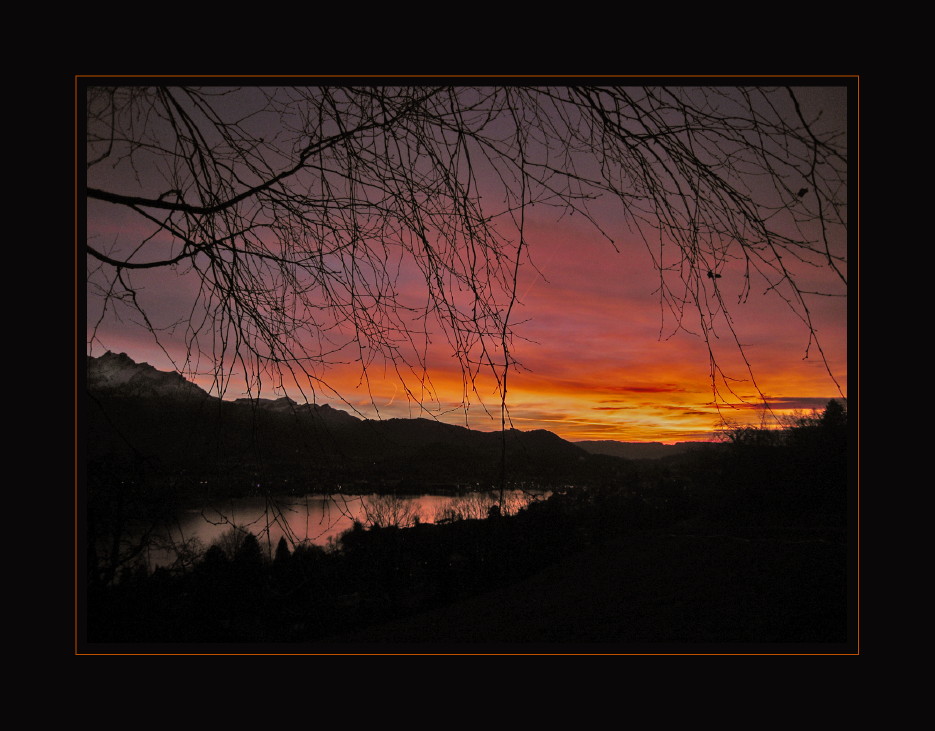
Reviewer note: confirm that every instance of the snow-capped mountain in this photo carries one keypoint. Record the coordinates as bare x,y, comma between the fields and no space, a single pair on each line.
139,413
117,374
285,405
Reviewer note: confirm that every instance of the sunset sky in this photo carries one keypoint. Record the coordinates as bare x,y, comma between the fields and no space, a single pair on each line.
599,357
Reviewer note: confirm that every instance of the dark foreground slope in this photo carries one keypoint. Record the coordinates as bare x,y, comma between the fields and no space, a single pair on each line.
776,590
684,588
746,548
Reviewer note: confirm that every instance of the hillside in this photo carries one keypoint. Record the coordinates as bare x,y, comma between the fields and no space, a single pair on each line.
747,546
137,414
738,589
639,450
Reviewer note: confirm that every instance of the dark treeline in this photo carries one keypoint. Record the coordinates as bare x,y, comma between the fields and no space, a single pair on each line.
788,485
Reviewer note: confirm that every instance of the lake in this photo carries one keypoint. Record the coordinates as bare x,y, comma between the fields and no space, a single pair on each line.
320,519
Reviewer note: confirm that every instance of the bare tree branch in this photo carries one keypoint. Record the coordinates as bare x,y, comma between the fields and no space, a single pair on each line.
307,215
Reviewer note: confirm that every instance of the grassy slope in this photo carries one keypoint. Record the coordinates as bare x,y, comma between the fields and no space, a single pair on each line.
687,588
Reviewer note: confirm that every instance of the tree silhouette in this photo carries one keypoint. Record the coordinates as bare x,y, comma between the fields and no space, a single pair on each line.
282,552
298,220
834,415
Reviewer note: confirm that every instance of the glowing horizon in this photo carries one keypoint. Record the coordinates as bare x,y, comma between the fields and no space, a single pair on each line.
600,353
592,366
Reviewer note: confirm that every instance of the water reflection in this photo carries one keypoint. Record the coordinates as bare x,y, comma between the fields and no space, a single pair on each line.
320,519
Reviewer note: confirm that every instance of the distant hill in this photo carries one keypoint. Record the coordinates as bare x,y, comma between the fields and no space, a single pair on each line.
639,450
141,416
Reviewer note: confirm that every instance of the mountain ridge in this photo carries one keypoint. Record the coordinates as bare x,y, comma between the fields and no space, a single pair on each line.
117,373
638,450
139,413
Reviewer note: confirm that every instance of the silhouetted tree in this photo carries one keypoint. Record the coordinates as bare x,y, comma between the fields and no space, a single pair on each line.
249,554
834,415
297,213
282,552
231,541
390,511
214,559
